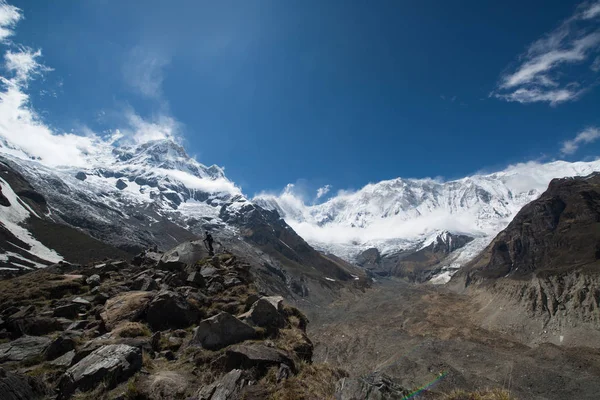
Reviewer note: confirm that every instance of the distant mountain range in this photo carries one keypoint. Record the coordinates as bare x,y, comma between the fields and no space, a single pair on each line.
397,220
131,197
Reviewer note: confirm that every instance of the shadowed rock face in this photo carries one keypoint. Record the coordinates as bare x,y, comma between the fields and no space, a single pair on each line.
557,233
541,274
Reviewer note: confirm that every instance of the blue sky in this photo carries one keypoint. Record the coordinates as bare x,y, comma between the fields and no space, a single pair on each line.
337,93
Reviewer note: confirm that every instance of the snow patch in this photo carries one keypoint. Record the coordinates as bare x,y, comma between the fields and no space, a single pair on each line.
13,216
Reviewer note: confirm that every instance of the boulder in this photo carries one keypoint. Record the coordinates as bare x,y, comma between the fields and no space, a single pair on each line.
170,310
111,365
188,253
215,287
78,325
14,386
221,330
144,283
121,184
127,306
81,176
24,348
266,313
258,356
147,258
59,346
231,282
93,280
34,326
67,311
196,279
82,302
66,360
208,271
227,388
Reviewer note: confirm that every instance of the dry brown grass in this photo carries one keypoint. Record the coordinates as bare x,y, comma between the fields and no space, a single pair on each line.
132,330
288,339
494,394
37,286
314,381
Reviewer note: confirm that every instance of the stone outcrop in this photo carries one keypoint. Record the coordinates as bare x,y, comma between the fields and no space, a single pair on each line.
21,387
222,330
23,348
128,306
170,310
111,364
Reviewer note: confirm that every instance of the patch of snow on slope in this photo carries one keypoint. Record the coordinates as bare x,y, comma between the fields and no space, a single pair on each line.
13,216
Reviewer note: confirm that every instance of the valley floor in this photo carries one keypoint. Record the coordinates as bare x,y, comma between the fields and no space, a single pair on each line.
423,335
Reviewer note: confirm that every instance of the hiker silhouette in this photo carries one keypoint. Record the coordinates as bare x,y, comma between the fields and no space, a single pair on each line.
208,239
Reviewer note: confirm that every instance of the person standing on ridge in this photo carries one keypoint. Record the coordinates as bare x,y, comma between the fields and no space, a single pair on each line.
208,239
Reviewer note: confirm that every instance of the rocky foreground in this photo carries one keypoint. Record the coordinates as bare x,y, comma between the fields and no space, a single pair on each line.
161,327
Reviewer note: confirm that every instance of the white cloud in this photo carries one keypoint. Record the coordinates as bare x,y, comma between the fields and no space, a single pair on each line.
596,65
322,191
143,71
9,16
554,97
138,130
586,136
204,184
539,76
592,12
23,65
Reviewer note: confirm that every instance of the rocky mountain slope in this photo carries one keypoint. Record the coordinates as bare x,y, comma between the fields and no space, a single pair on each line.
153,194
161,328
545,263
153,330
400,217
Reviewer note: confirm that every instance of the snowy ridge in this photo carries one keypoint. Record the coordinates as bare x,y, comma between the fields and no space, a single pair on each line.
12,218
409,214
131,191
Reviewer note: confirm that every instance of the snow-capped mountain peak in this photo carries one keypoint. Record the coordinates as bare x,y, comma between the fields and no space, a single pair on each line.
404,214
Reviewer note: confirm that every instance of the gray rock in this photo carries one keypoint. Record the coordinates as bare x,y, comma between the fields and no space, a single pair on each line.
34,326
121,184
144,283
93,280
196,279
81,176
67,311
111,364
231,282
15,386
208,271
66,360
23,348
259,356
266,313
221,330
170,310
227,388
127,306
59,346
78,325
81,301
215,287
188,253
